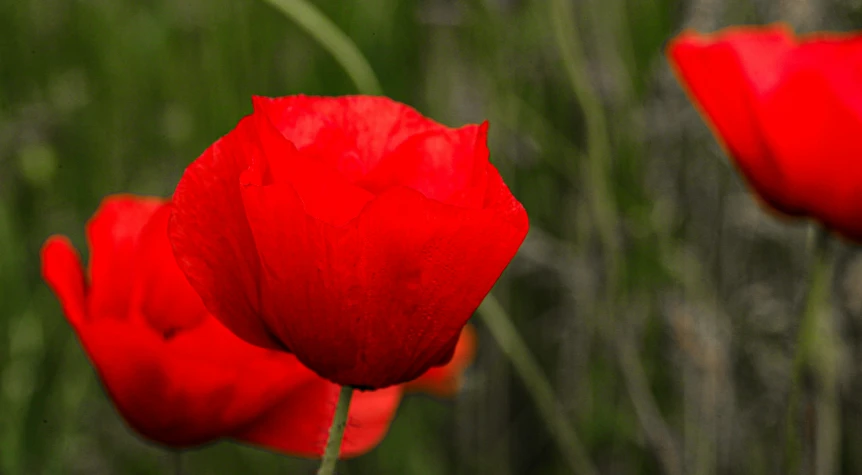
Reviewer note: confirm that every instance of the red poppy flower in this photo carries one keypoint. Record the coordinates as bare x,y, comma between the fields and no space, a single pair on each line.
350,231
175,373
789,111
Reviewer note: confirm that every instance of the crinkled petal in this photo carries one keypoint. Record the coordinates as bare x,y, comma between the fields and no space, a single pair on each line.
350,134
444,165
325,194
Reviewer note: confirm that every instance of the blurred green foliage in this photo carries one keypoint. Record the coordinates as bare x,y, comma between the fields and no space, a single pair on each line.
693,350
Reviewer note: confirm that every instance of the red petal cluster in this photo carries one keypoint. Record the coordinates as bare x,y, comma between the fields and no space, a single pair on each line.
350,231
175,373
789,111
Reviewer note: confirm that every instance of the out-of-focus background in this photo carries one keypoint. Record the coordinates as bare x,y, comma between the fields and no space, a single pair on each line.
661,301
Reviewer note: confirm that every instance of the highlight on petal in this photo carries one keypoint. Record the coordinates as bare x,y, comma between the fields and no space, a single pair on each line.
762,53
61,269
726,75
300,424
112,235
351,134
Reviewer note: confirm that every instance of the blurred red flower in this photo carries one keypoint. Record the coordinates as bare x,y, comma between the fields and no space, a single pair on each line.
789,112
175,373
350,231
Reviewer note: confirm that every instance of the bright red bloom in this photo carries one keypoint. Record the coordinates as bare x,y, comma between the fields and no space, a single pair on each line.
350,231
175,373
789,111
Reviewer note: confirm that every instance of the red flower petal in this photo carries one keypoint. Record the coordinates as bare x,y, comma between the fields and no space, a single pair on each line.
445,381
401,280
444,165
350,134
727,76
200,385
112,235
61,268
789,111
355,285
300,424
160,291
211,238
325,193
812,122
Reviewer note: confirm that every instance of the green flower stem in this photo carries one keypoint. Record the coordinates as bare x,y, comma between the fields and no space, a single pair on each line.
336,432
537,385
816,355
331,38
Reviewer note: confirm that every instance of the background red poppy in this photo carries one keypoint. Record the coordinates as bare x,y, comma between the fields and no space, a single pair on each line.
789,111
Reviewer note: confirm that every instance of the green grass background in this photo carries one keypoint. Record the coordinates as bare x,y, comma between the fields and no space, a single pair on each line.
661,302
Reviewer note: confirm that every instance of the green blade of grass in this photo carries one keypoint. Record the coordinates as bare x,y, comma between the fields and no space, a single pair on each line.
335,41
